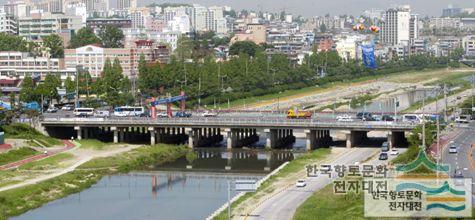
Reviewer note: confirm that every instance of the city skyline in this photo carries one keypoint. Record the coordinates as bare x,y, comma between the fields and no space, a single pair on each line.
309,8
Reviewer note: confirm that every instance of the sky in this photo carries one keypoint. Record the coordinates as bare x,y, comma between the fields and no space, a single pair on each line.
310,8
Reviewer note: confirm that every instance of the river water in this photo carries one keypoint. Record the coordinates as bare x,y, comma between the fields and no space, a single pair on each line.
170,191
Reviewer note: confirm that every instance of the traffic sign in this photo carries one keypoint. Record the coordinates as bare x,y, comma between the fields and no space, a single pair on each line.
245,185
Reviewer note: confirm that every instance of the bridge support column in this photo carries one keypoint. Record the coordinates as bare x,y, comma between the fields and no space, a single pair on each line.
121,135
78,132
191,137
230,137
116,135
396,139
271,138
152,135
355,137
311,139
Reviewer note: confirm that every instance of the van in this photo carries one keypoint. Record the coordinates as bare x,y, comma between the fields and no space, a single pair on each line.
385,147
411,118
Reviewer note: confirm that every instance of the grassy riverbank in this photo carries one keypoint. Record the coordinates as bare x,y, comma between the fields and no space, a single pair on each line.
17,201
292,167
24,131
16,155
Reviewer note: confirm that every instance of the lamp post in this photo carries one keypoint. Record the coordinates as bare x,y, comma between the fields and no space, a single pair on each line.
79,68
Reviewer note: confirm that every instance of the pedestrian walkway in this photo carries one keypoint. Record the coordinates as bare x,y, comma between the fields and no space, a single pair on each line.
68,145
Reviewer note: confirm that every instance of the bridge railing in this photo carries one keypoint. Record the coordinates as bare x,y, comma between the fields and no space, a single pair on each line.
253,121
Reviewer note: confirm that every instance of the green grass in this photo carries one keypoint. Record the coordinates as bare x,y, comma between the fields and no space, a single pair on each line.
324,204
292,167
47,163
17,201
93,143
313,89
24,131
16,154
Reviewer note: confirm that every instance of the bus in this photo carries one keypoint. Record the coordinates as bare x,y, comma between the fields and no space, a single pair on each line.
83,112
129,111
411,118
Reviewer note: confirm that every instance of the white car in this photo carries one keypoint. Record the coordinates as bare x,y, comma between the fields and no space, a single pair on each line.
453,149
301,183
67,108
209,114
393,152
162,115
344,118
101,113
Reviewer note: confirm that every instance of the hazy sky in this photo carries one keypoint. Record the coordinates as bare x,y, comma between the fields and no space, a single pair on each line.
310,8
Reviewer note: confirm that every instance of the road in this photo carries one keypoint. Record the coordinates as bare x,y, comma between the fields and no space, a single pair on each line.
464,159
452,100
283,205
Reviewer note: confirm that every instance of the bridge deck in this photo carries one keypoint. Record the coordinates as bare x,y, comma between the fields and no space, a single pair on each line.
257,122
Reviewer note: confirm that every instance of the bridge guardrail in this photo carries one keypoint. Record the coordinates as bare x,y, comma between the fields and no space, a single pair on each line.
257,121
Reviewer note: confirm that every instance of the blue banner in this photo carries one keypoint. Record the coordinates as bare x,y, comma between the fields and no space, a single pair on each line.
368,56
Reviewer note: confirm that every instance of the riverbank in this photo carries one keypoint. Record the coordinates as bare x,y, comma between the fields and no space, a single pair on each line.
19,200
275,182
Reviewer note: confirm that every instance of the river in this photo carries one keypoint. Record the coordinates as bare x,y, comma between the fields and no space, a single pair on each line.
170,191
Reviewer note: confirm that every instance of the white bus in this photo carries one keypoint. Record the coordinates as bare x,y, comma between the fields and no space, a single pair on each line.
83,112
129,111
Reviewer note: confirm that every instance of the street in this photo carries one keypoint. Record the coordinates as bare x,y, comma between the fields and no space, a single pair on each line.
283,205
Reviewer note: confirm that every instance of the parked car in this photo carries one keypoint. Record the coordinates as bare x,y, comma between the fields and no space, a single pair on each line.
383,156
300,183
363,115
394,151
68,108
162,115
182,114
387,118
209,114
344,118
102,113
52,109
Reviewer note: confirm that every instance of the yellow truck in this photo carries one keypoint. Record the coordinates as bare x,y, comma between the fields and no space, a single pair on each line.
291,113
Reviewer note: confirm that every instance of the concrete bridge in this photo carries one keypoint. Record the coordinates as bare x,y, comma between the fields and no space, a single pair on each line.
239,131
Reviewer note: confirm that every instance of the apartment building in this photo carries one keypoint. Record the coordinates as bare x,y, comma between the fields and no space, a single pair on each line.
39,24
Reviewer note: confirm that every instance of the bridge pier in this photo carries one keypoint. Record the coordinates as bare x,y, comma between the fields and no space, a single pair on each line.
396,139
355,137
152,135
276,138
311,139
115,135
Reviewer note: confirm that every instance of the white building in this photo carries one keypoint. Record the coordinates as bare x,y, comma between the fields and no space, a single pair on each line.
43,24
395,28
171,12
77,9
14,64
8,23
139,16
444,23
180,24
215,16
198,17
468,44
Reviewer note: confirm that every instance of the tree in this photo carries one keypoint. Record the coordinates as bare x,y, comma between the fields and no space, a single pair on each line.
184,49
27,92
111,36
69,85
55,45
323,28
115,87
13,43
244,47
83,37
49,87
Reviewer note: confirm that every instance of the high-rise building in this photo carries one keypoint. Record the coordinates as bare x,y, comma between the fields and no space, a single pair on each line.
8,23
169,13
399,26
39,24
214,20
53,6
198,17
139,16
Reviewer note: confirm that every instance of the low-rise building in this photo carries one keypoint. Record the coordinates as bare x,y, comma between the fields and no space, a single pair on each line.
468,44
39,24
14,64
444,23
93,57
256,33
97,23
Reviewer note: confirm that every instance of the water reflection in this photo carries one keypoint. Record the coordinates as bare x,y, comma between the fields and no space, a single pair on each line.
235,160
151,195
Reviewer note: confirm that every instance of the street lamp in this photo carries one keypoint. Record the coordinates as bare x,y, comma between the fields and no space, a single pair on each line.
79,69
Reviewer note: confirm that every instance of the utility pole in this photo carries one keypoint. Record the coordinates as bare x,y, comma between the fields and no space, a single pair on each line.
76,101
445,100
423,121
199,91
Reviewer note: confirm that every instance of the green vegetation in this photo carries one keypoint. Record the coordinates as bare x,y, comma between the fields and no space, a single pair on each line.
93,143
324,204
17,201
16,154
291,168
83,37
47,163
191,156
24,131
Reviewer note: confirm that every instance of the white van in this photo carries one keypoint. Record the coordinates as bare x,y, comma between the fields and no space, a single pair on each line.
411,118
83,112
